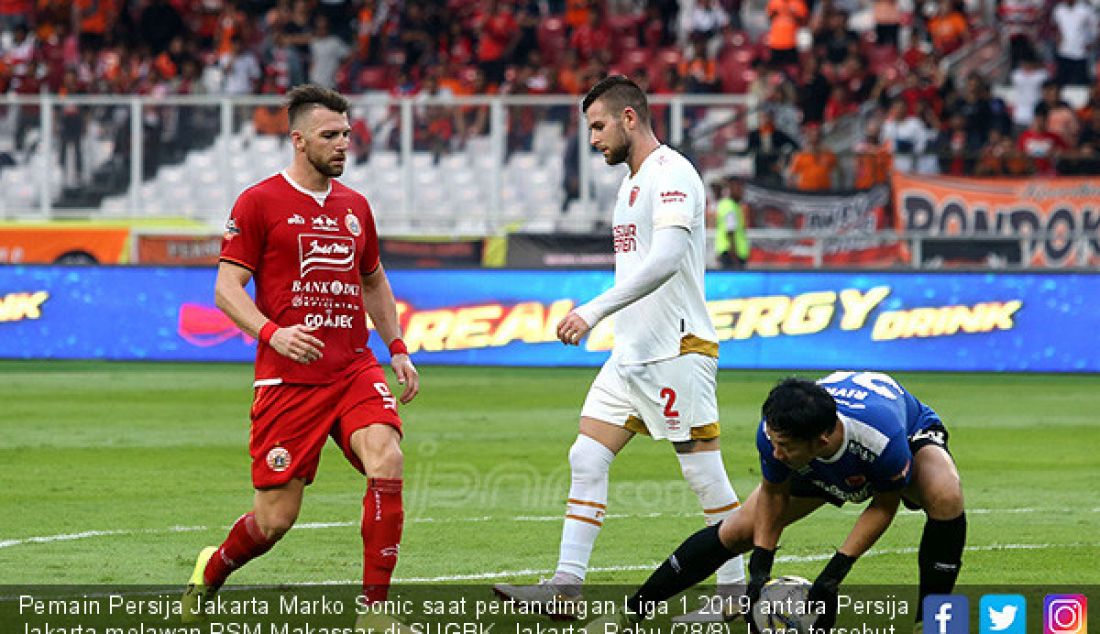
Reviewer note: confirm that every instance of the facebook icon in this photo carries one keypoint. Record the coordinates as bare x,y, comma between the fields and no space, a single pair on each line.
946,614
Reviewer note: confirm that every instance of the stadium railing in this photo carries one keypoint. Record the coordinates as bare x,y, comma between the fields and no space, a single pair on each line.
430,164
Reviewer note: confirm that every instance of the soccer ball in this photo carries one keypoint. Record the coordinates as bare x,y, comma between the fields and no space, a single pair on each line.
784,606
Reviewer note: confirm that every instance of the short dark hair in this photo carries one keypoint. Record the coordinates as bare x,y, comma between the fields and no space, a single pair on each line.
799,408
618,92
304,98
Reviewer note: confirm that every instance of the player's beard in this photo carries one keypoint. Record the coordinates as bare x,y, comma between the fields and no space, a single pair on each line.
618,153
324,167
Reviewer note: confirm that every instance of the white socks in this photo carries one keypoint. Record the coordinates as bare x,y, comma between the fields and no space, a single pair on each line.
590,463
706,475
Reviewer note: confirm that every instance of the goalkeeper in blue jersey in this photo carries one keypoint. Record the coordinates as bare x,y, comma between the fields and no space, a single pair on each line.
849,437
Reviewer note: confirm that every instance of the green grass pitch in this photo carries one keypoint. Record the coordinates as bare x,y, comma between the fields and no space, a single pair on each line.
118,473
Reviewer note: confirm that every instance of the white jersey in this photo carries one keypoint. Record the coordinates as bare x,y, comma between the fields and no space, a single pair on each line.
672,320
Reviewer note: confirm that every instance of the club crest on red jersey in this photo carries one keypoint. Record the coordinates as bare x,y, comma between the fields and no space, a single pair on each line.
278,459
634,194
231,229
352,223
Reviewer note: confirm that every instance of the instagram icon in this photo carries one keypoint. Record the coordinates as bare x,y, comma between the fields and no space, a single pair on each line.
1065,614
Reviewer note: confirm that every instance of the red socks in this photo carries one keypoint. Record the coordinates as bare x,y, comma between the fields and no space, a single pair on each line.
383,519
245,542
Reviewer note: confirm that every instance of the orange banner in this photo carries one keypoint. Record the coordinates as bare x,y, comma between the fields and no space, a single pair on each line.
188,250
63,245
1052,209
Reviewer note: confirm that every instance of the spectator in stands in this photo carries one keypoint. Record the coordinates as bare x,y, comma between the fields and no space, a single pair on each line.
327,52
529,13
1090,135
94,19
362,137
271,119
873,162
475,118
770,148
862,86
840,104
814,167
1021,20
420,32
296,36
708,19
1027,85
835,41
1087,159
920,90
700,70
813,91
908,136
975,107
159,23
498,35
339,14
22,52
1075,27
887,18
948,28
14,13
434,123
1061,120
576,13
72,123
786,17
592,40
1040,145
668,14
240,69
957,147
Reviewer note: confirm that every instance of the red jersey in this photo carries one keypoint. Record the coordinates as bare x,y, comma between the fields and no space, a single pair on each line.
306,259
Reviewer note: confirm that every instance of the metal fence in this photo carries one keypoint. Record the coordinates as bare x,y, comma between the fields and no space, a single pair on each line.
429,164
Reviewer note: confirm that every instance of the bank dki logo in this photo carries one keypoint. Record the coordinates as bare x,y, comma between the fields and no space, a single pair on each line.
1003,614
1065,614
946,614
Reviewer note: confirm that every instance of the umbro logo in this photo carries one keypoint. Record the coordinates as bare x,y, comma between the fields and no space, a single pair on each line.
296,219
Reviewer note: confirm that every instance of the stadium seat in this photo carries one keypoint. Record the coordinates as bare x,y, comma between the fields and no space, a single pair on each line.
384,161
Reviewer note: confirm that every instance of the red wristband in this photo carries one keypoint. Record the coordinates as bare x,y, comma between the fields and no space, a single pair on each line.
266,331
397,346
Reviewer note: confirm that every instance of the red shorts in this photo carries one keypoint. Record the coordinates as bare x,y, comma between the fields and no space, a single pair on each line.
291,422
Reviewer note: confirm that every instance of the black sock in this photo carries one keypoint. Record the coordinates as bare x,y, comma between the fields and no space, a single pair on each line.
696,559
940,557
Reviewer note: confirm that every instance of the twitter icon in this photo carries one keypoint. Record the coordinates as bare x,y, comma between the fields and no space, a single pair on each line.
1003,614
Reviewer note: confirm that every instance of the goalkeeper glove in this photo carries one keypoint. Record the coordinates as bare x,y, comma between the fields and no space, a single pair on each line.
826,587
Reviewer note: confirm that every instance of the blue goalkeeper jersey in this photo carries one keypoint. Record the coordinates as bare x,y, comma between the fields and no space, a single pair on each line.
878,416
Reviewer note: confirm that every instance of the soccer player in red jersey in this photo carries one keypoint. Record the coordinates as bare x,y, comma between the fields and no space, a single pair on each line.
310,244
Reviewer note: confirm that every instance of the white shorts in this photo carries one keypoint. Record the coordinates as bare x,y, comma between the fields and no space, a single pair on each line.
672,399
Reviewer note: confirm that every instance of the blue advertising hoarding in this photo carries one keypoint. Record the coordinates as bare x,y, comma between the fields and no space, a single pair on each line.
1039,322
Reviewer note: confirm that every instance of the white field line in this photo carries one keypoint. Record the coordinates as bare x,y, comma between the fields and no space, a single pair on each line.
529,572
781,559
64,537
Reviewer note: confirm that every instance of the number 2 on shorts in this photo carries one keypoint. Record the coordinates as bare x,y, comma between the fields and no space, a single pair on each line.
669,396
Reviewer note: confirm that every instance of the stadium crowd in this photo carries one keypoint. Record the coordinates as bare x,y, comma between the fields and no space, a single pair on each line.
918,117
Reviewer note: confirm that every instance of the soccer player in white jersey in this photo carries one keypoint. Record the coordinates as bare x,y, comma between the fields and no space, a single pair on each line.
662,374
